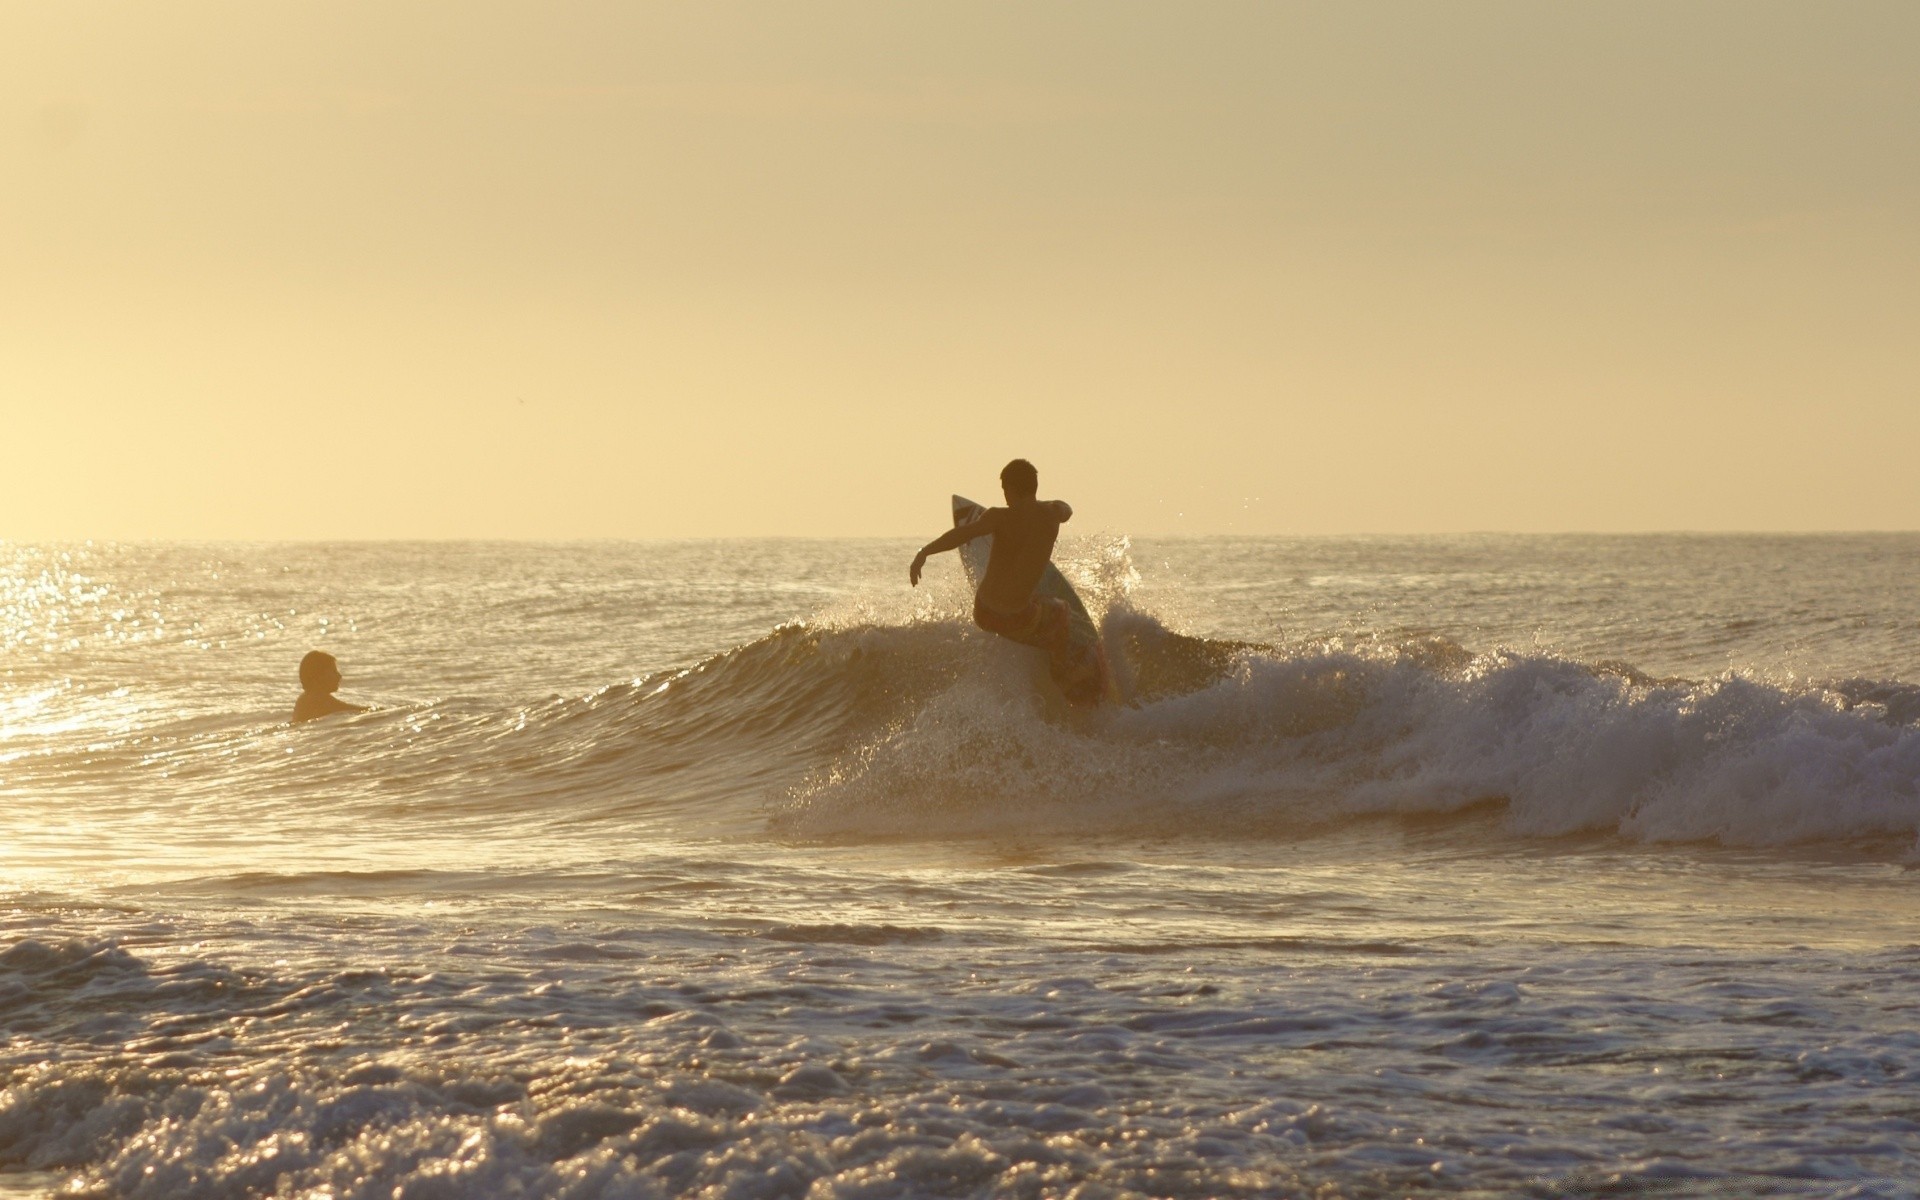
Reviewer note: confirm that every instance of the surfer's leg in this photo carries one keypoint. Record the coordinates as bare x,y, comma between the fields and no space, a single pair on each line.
1078,667
1054,632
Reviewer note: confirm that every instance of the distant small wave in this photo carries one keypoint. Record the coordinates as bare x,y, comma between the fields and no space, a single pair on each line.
854,935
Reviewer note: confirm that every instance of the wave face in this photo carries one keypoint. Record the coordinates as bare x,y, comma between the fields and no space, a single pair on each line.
934,729
1234,740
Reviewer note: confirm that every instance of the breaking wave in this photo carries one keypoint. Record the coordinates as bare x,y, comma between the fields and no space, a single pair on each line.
1238,740
931,728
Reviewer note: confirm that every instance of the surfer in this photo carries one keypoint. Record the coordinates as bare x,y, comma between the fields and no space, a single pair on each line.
1023,536
319,680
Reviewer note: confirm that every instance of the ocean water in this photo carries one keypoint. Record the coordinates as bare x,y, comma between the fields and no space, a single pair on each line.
1487,866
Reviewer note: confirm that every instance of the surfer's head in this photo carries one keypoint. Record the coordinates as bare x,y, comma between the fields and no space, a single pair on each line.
319,672
1019,480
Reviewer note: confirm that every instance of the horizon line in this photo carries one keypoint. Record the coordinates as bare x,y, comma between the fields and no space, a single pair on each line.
564,539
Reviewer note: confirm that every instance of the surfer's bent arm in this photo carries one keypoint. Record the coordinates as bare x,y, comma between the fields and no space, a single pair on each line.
952,538
1062,511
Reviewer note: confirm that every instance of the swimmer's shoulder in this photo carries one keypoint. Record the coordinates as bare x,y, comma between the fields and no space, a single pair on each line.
311,707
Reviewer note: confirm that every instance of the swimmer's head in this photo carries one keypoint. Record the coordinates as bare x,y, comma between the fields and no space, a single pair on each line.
1019,480
319,672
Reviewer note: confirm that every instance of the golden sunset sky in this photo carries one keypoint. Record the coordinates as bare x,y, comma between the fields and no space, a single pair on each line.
561,269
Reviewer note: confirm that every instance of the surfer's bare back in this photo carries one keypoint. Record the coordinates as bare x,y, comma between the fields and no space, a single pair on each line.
1023,536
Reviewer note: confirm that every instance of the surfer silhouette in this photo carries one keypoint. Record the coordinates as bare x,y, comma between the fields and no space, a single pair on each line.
1023,536
319,679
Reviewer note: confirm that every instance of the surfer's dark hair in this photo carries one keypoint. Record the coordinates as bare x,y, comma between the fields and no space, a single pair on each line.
313,668
1020,478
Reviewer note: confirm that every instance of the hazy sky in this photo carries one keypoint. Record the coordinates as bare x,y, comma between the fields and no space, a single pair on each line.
556,269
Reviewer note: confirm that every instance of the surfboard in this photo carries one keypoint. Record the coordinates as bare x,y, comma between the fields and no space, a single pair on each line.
1090,680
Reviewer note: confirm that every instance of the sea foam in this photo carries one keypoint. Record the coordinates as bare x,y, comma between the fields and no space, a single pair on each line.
1282,738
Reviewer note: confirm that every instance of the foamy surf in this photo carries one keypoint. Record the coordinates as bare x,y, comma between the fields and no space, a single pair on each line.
1235,740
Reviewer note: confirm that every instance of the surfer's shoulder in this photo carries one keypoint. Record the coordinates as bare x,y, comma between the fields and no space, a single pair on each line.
311,707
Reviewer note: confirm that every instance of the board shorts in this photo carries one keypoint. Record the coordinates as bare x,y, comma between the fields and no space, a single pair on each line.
1042,623
1079,670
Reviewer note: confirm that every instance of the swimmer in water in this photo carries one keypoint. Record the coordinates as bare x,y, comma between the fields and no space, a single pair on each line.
319,680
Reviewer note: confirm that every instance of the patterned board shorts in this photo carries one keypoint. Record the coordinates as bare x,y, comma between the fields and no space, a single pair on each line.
1045,623
1041,623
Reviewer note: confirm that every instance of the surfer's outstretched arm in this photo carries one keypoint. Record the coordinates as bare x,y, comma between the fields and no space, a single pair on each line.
957,536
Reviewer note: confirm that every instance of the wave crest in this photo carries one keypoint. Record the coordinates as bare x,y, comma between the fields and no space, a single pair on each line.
1238,740
932,728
